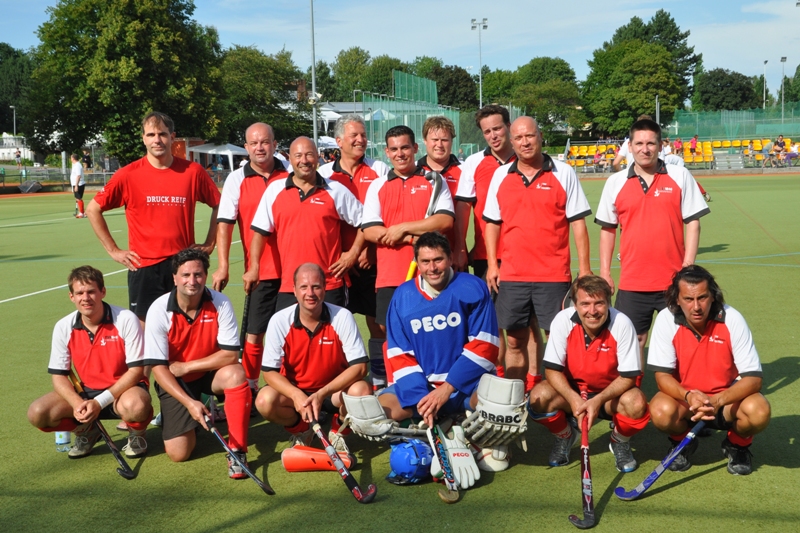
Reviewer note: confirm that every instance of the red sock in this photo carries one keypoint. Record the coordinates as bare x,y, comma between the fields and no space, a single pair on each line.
638,381
80,206
237,412
501,371
335,425
738,440
66,424
555,424
628,427
300,427
531,380
251,359
389,374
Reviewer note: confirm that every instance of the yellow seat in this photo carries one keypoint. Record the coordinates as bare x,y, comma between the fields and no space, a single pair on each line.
746,151
573,150
580,162
708,158
759,157
571,162
592,150
706,143
766,141
688,159
745,142
736,144
610,155
715,144
698,159
726,144
788,142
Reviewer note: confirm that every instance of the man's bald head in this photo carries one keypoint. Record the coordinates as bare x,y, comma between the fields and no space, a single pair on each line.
304,158
301,143
310,268
260,127
526,139
524,122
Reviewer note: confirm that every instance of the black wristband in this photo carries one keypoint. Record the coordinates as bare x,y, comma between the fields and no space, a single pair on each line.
686,396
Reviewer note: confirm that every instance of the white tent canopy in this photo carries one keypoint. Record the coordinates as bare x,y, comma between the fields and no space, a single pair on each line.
228,150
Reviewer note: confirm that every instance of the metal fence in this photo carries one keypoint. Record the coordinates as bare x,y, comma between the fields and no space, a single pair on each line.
730,125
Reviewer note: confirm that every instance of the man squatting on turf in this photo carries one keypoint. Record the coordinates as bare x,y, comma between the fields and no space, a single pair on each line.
592,347
193,344
105,344
706,367
442,351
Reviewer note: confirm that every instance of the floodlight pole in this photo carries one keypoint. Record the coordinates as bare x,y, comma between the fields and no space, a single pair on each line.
783,77
479,26
764,79
313,79
15,120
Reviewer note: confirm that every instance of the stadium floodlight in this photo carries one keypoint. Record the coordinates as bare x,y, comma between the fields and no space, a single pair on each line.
783,76
482,25
764,79
313,100
15,120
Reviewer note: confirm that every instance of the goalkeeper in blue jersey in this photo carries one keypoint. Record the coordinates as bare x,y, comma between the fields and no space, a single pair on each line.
442,350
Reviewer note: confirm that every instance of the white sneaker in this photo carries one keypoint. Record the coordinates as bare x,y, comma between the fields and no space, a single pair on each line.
86,436
303,438
338,442
137,445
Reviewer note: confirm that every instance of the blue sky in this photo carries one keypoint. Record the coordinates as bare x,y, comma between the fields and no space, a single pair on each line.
731,34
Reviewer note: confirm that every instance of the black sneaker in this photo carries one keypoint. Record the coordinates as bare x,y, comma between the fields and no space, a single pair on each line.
623,456
739,458
681,462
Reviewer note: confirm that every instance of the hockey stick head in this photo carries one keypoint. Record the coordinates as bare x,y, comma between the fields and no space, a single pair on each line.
449,495
366,496
127,474
438,182
586,522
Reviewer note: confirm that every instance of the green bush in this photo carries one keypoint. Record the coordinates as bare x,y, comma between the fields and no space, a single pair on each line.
53,160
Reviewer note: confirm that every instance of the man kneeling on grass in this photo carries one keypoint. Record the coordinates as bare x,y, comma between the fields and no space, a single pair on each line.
105,344
707,368
192,342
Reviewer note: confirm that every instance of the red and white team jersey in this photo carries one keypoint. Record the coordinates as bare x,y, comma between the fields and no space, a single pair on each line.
391,200
473,186
593,363
308,226
367,171
159,205
651,221
241,194
312,359
101,358
709,363
172,336
534,220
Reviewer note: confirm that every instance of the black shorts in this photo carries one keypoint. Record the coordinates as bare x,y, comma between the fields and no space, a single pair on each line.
361,298
333,296
382,299
519,301
263,302
639,307
175,418
108,412
146,284
78,192
480,266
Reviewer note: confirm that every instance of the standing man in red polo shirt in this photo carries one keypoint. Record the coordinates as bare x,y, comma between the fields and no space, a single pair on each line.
307,213
159,193
357,172
438,133
192,342
707,368
395,211
313,354
654,203
532,203
592,347
241,194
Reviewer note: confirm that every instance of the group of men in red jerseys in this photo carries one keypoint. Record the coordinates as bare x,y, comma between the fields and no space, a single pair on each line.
323,243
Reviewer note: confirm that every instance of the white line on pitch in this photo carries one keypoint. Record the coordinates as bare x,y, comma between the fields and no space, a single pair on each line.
35,223
53,288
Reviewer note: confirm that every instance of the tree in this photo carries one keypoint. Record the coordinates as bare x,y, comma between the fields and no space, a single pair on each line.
456,87
758,88
556,105
498,86
378,75
423,66
15,73
720,89
662,29
261,88
326,84
643,71
542,69
348,70
101,66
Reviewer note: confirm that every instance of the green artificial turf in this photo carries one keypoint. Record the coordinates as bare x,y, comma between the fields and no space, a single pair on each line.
750,241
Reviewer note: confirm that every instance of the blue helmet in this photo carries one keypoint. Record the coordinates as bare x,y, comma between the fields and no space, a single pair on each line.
410,461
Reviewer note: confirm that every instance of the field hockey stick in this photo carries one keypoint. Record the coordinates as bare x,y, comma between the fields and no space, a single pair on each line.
626,495
437,182
213,429
451,495
586,477
124,469
347,477
245,316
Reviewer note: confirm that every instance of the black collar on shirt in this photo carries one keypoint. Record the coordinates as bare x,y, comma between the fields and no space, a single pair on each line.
108,318
324,318
488,152
249,171
661,168
394,175
320,183
717,313
423,165
586,339
337,165
173,307
547,166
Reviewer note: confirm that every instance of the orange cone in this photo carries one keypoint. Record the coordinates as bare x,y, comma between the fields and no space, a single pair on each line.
308,459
